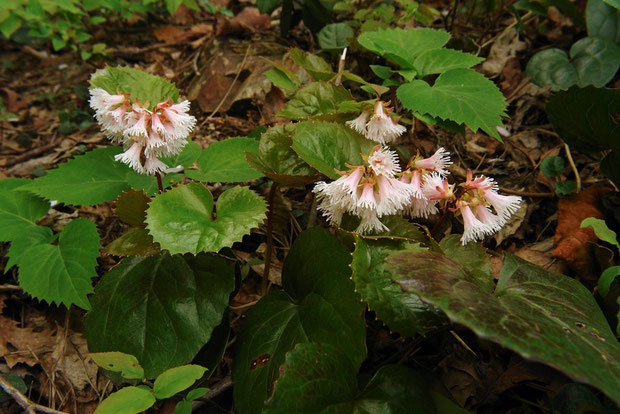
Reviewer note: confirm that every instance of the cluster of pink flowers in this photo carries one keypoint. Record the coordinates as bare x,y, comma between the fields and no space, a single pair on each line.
146,134
368,191
380,127
379,187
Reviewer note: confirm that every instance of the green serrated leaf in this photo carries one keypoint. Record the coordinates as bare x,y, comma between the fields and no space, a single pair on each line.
320,378
177,379
134,242
334,36
61,273
19,210
161,309
329,146
552,166
181,220
224,161
20,244
316,66
584,117
381,71
318,304
128,400
140,85
596,60
96,174
402,312
441,60
403,46
10,25
552,67
316,99
603,20
277,160
461,95
601,230
126,364
541,315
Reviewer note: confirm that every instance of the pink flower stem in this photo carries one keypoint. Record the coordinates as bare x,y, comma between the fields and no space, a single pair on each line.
159,183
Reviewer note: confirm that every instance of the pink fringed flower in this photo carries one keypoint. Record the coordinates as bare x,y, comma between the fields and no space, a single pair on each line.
148,135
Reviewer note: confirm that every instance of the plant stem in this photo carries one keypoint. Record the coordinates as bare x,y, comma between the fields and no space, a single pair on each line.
159,183
269,251
28,406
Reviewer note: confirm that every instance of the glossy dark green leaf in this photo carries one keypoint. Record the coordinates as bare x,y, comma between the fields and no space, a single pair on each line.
160,309
224,161
317,99
552,166
328,146
319,378
541,315
134,242
596,60
181,220
277,160
584,117
19,210
552,67
472,257
603,20
401,312
141,86
131,207
318,304
267,6
610,166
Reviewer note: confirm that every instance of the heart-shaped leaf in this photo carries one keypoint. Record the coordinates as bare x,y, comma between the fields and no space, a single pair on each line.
603,20
181,220
596,60
461,95
328,146
318,304
61,273
319,378
552,67
160,309
541,315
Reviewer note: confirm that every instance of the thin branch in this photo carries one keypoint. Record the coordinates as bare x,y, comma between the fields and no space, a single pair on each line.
573,166
28,406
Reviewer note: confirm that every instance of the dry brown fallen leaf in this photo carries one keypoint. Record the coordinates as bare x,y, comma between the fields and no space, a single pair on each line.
248,21
574,244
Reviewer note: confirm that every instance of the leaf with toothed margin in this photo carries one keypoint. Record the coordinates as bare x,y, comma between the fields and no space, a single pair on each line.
181,220
62,273
318,304
19,210
400,311
541,315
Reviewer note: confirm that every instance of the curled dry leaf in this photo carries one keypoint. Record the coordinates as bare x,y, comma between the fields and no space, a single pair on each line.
573,243
248,21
